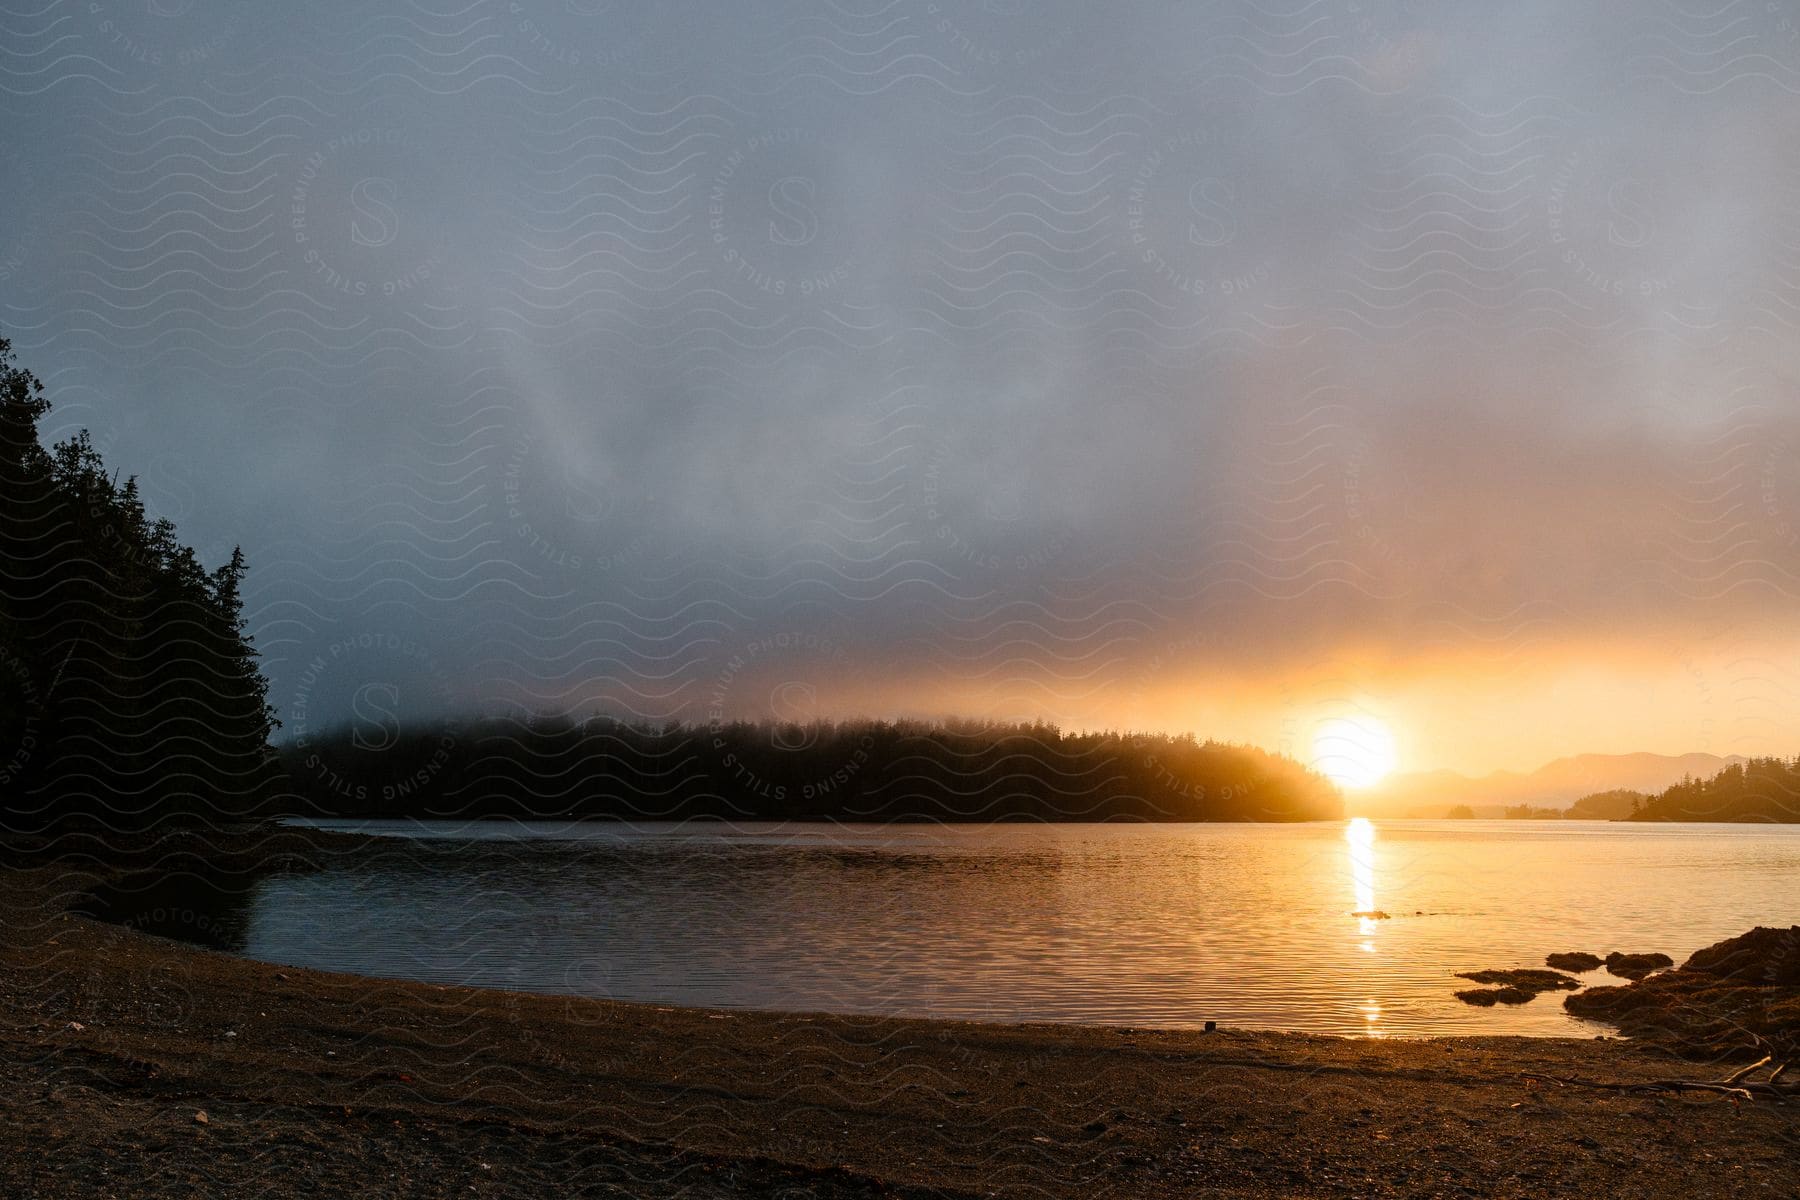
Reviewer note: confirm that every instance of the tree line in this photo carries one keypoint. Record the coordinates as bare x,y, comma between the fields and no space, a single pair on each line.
1762,789
883,771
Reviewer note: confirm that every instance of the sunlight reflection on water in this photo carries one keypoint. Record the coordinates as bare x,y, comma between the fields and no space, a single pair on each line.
1360,834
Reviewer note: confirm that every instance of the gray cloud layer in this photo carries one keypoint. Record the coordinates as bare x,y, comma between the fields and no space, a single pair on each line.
1011,351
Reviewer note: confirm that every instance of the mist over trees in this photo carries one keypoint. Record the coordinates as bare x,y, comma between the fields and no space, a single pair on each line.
131,693
132,697
850,771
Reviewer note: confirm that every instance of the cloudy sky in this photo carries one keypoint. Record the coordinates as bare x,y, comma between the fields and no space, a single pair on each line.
1228,367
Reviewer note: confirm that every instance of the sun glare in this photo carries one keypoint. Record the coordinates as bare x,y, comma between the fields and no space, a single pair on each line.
1354,752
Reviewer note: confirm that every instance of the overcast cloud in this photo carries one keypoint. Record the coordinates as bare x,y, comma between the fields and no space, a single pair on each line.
1021,357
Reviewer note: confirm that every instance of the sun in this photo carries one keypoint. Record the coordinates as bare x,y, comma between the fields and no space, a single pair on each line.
1354,752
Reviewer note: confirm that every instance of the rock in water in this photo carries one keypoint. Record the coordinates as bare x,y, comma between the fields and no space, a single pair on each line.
1525,979
1488,997
1573,961
1636,966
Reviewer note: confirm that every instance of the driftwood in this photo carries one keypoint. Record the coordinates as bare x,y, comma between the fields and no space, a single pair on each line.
1746,1072
1737,1085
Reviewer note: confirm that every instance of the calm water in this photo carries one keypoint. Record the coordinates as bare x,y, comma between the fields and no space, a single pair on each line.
1148,925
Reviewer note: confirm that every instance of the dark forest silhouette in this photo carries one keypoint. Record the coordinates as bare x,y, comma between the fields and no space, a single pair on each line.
853,770
1763,789
131,692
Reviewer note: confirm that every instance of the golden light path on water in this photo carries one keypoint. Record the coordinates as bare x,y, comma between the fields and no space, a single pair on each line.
1360,834
1359,838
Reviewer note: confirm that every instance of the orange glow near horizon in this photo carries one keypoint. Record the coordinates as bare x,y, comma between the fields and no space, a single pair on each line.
1515,706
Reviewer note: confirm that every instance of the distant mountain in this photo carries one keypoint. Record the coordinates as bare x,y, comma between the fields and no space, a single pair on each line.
1556,784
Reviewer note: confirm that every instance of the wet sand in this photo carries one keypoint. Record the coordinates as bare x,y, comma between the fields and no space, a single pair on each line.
314,1084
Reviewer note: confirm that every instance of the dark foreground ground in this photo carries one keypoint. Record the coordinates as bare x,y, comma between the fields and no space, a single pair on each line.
132,1066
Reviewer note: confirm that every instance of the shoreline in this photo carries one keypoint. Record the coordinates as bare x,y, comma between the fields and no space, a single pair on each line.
315,1083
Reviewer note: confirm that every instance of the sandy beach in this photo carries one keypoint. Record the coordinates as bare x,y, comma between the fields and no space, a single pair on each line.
138,1066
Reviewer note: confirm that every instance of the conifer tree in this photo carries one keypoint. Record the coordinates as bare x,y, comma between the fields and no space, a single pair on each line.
133,696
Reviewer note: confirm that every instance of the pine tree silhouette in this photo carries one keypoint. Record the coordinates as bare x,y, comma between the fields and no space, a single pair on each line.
133,693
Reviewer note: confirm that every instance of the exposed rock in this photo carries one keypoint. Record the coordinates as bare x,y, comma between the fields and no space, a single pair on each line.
1573,961
1516,986
1636,966
1525,979
1719,1002
1488,997
1763,955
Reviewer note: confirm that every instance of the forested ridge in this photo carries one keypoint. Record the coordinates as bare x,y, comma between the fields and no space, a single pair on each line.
852,771
1763,789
